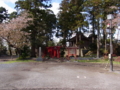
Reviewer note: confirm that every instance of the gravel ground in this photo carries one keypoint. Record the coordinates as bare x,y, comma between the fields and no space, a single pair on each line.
58,76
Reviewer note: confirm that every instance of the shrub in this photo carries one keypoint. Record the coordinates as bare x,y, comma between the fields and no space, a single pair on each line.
62,53
25,53
93,47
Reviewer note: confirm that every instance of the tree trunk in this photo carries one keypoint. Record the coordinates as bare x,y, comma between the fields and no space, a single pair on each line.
18,52
37,51
33,53
33,46
80,52
76,38
98,41
64,38
105,43
10,51
93,32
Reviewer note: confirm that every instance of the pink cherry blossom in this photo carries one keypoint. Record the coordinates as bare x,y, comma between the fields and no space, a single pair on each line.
12,31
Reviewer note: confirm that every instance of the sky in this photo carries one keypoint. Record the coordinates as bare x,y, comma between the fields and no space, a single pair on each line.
10,4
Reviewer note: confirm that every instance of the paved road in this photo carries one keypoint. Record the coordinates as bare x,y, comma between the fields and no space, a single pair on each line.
57,76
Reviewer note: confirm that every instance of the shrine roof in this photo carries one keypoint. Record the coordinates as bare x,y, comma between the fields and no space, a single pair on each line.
83,37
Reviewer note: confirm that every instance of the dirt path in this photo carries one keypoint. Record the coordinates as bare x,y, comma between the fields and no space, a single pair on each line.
58,76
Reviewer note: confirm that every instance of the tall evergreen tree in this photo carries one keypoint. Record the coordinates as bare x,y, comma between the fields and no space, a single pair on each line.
3,14
41,27
97,10
70,16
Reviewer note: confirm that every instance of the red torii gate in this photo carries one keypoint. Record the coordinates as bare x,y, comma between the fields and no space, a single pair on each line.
54,51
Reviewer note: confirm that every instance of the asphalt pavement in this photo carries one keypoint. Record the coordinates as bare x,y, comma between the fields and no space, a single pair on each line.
57,76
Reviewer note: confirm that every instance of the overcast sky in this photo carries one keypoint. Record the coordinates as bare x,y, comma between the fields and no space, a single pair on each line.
10,4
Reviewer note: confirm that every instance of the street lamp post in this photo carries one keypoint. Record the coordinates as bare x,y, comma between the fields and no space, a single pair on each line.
110,17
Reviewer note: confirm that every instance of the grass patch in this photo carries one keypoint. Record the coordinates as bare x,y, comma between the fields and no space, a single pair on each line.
115,62
14,61
93,61
98,61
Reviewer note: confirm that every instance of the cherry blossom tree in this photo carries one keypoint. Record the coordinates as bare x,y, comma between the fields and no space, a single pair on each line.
12,31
